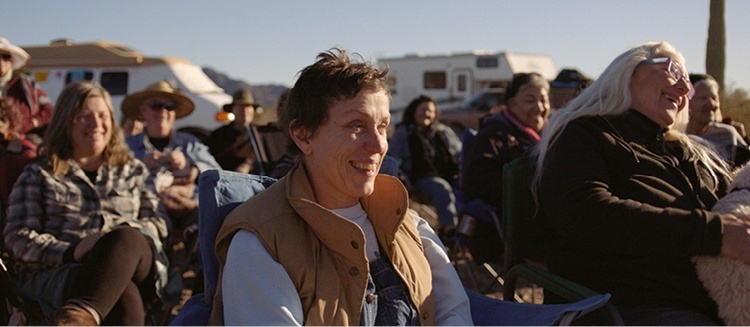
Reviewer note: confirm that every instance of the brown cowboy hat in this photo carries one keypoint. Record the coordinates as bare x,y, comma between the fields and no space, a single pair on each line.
19,57
131,104
241,97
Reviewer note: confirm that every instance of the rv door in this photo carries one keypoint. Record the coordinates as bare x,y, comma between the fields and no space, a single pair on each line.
463,82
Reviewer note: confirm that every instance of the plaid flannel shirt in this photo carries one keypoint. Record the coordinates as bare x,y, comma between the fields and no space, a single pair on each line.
47,215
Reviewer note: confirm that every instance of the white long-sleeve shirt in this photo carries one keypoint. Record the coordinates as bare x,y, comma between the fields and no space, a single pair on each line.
257,290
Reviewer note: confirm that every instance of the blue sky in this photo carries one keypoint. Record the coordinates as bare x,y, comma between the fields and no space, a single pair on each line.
270,41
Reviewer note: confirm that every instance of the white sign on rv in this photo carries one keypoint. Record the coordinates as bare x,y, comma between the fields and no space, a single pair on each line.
122,70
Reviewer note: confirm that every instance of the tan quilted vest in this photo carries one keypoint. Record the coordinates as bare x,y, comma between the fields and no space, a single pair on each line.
310,241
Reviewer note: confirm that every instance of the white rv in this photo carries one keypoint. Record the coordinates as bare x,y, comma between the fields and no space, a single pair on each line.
122,70
451,78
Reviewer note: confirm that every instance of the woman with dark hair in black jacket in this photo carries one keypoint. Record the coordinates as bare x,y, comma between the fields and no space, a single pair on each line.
427,151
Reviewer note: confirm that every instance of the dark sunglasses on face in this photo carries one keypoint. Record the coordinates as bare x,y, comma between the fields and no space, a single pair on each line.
158,105
5,56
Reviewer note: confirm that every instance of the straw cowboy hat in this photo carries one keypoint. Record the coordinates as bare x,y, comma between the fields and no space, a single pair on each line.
19,57
132,103
241,97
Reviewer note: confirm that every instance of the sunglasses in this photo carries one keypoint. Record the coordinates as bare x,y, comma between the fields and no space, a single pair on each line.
158,105
5,56
675,71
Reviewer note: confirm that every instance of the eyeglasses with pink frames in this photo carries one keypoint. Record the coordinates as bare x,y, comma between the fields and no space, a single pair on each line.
675,71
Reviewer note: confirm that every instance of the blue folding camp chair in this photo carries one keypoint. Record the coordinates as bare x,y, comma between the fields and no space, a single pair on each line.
221,191
487,311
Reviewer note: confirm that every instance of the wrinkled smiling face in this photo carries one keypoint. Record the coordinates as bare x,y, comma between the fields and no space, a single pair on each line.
158,118
343,157
531,106
656,94
704,104
92,128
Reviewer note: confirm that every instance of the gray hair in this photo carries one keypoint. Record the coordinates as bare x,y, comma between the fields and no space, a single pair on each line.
709,81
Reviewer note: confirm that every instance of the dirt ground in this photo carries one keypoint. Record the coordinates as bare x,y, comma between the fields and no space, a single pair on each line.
483,279
480,278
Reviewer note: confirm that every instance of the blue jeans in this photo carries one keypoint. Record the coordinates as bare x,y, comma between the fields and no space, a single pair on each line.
440,194
387,302
48,287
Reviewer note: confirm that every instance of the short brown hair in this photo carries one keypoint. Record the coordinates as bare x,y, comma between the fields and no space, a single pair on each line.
332,78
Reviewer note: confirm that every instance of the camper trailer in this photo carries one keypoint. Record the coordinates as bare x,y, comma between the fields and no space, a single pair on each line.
122,70
453,78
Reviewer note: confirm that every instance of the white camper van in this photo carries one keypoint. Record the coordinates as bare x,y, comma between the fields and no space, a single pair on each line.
452,78
122,70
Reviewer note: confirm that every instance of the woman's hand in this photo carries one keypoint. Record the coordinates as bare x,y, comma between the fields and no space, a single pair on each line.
152,160
178,199
86,244
245,167
186,176
735,241
176,160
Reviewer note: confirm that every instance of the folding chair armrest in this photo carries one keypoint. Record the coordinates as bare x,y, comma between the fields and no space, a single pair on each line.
564,288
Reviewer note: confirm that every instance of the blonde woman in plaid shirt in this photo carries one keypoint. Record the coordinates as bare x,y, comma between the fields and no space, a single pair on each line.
84,221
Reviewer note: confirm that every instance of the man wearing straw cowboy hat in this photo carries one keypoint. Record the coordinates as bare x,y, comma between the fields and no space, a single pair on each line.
237,146
176,158
32,102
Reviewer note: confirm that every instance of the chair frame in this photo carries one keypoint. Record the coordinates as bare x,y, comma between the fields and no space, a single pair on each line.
469,211
524,225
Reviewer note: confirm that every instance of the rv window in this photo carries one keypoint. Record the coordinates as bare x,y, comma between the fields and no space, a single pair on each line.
487,62
77,75
116,83
434,80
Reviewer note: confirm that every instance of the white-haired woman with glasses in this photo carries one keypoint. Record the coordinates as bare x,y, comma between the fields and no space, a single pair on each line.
628,193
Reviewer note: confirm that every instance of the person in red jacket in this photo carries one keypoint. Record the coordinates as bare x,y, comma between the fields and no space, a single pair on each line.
30,100
15,150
